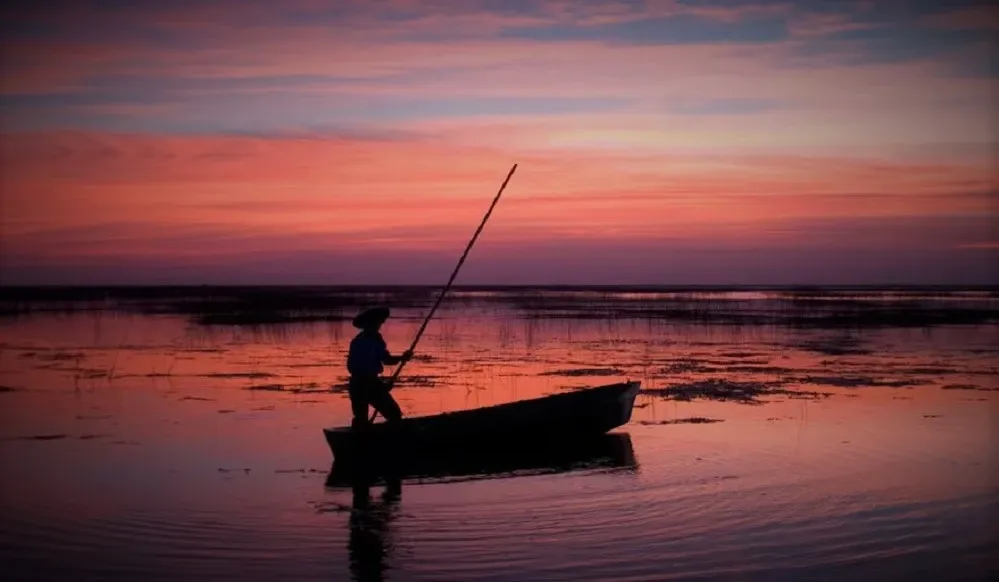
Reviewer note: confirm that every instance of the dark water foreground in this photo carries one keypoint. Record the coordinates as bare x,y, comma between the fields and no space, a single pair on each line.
176,435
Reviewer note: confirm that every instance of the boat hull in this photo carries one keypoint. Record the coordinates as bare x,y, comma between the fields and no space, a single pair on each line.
546,420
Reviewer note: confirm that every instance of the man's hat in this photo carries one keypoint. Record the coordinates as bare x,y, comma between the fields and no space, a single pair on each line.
371,317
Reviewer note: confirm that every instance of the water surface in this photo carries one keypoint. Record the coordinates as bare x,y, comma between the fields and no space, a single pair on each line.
780,436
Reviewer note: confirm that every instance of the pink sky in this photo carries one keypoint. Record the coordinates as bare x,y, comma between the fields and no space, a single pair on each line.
360,142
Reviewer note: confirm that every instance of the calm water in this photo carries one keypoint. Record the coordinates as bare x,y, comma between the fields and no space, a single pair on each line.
138,444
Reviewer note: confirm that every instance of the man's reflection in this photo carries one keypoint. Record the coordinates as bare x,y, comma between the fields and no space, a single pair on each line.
370,543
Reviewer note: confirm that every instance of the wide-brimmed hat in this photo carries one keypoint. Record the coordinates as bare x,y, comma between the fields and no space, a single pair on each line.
369,317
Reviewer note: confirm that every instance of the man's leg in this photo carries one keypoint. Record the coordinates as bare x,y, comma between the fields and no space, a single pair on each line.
358,404
383,402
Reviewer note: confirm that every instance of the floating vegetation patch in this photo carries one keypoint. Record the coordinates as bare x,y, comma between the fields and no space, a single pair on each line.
857,381
728,390
579,372
198,398
57,437
742,355
968,387
778,370
40,437
267,387
928,371
308,387
247,375
683,366
90,372
58,356
691,420
834,346
425,381
710,366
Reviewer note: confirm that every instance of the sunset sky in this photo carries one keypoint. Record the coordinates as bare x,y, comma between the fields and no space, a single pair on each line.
658,142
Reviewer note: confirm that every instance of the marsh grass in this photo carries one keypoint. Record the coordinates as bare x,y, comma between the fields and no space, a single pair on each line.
270,305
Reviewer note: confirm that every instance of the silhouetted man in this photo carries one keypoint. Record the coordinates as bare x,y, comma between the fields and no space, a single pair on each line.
366,360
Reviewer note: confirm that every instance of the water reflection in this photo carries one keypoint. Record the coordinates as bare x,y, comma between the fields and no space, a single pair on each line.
369,543
371,540
607,452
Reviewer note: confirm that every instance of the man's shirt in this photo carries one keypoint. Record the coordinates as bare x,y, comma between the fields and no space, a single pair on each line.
367,352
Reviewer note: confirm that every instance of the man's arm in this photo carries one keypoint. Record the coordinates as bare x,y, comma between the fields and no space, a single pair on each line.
390,360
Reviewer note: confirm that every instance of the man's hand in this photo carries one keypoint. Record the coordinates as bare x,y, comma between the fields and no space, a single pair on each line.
407,355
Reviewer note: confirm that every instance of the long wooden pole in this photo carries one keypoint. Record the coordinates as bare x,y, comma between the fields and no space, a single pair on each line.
454,274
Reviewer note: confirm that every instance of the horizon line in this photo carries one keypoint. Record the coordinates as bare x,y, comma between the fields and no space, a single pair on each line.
487,286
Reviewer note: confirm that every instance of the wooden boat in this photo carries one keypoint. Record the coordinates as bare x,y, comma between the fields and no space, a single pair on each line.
525,423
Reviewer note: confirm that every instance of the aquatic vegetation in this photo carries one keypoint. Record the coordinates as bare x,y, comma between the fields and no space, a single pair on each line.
262,306
858,381
40,437
267,387
728,390
968,387
834,346
250,375
580,372
691,420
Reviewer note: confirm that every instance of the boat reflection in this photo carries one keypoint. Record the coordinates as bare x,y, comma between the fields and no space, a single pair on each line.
606,451
371,541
